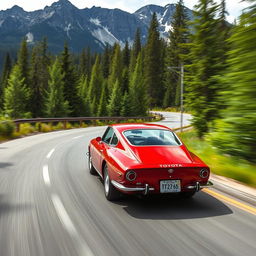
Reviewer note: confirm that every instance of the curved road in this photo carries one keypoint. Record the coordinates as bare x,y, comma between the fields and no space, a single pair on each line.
50,205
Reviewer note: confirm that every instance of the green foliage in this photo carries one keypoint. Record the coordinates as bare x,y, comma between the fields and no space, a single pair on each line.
127,107
83,91
220,164
116,68
114,106
136,49
154,64
4,78
235,133
16,95
138,92
201,83
70,80
7,129
177,52
23,61
39,77
56,105
102,109
95,86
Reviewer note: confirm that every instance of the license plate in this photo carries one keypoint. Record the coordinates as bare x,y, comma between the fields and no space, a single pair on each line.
170,186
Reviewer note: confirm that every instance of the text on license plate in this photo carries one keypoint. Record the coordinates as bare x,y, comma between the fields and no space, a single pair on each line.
170,186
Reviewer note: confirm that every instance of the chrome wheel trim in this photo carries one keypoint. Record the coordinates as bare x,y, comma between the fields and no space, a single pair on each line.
106,183
90,162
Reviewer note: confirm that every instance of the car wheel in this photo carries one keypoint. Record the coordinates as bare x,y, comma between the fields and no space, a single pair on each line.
110,191
92,170
187,195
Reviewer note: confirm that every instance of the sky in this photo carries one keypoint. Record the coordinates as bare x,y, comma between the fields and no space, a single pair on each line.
234,7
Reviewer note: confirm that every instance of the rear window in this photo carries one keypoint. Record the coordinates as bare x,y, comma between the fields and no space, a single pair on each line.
151,137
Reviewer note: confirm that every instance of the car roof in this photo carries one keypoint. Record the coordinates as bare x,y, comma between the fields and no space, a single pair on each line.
124,127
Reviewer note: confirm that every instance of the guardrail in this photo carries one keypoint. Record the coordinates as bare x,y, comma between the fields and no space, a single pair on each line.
65,120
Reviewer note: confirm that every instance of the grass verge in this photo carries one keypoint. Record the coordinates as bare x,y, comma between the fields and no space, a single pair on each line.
219,163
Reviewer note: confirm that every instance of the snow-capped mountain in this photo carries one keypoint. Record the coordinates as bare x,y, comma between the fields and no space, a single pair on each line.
90,27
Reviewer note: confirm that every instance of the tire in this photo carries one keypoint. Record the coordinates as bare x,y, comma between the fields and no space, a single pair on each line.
111,192
187,195
92,170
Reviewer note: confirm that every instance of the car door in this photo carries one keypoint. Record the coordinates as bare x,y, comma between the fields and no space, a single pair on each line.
101,148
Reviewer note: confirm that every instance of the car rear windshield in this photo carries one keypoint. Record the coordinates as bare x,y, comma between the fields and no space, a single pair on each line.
151,137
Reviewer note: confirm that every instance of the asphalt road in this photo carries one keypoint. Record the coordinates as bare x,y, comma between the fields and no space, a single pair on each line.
50,205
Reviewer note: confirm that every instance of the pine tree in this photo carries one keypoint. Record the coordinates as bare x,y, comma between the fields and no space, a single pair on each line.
202,87
126,55
16,95
23,61
114,106
4,78
235,134
55,103
223,34
102,109
38,77
125,81
83,91
127,108
138,91
96,84
136,49
176,55
153,65
85,63
116,68
70,83
106,62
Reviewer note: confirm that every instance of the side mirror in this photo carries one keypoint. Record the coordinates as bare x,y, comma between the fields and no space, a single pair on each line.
98,139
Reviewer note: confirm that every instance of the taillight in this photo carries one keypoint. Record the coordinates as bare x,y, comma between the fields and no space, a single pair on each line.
204,173
131,175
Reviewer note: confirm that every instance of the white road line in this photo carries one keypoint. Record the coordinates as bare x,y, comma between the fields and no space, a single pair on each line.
82,246
46,176
50,153
78,137
63,215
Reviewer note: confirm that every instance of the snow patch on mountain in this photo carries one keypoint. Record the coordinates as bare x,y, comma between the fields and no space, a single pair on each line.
30,37
95,21
48,15
105,36
1,22
67,29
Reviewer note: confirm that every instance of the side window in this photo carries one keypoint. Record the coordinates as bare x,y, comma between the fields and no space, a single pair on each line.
114,140
108,135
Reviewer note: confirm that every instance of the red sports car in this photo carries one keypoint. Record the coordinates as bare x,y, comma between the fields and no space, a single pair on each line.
145,159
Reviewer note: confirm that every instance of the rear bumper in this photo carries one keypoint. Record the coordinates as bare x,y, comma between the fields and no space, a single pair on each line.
198,186
146,189
121,187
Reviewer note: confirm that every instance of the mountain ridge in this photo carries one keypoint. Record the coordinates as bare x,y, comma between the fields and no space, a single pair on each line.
93,27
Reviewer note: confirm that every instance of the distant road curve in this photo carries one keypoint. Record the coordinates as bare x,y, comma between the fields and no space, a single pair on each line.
51,206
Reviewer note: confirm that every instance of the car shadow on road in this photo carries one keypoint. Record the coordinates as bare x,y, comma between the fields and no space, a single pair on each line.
201,205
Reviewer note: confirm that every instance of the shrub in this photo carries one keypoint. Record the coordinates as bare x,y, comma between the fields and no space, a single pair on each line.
7,129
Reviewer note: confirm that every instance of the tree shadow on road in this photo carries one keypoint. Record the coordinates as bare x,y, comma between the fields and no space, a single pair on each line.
4,165
6,207
201,205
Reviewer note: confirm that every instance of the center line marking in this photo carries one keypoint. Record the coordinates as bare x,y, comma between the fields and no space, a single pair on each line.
78,137
50,153
46,175
82,246
231,201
